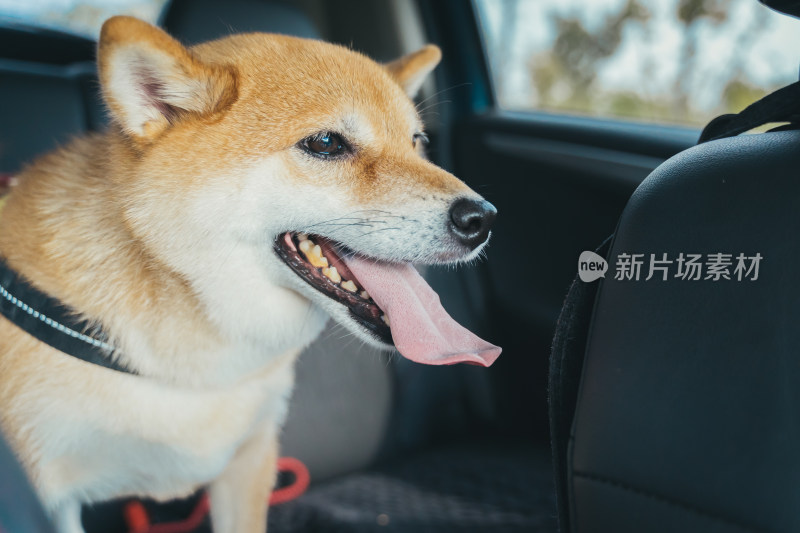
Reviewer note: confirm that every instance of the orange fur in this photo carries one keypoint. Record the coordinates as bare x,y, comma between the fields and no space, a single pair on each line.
118,225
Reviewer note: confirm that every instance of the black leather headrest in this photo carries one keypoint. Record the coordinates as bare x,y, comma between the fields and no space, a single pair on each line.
789,7
43,45
687,416
196,21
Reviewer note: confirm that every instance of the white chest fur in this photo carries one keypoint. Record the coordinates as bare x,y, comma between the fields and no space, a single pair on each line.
116,435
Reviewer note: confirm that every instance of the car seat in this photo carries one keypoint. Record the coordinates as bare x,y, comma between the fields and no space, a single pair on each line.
675,404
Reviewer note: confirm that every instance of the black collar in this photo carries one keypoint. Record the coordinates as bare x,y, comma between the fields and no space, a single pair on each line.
52,322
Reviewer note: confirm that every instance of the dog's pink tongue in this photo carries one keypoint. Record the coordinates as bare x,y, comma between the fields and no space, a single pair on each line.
421,329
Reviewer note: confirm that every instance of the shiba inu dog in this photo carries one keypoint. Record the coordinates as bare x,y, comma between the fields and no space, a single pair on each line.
248,189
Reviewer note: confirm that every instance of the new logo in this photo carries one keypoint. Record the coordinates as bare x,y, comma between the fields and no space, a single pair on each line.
591,266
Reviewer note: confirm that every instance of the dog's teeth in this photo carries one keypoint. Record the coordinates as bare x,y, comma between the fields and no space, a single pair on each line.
386,320
313,254
349,286
364,294
332,274
319,259
302,237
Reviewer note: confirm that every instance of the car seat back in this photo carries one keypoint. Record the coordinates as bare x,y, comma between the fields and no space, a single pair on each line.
675,392
48,92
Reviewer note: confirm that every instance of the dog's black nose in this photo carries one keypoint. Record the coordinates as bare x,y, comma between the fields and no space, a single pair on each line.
470,220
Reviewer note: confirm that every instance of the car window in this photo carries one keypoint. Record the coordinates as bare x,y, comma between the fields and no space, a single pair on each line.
667,61
82,17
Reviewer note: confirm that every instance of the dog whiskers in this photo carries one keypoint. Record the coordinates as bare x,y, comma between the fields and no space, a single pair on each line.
434,95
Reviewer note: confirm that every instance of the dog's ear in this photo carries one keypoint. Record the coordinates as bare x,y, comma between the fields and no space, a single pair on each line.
150,81
411,70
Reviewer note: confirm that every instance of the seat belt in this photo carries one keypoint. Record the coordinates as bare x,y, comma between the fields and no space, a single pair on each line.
782,105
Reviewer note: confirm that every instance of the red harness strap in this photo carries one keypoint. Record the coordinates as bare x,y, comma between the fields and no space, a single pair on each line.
301,481
138,520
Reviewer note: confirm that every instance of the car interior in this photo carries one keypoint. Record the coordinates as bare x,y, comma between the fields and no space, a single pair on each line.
616,406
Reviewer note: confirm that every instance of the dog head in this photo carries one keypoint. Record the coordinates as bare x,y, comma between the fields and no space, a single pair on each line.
285,179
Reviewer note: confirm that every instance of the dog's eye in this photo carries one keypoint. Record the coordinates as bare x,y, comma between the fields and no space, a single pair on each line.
419,138
326,144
